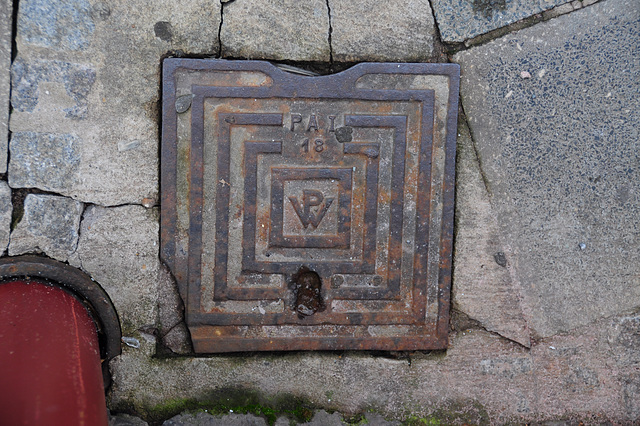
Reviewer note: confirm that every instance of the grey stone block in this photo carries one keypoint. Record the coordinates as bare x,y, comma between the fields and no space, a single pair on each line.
125,420
554,115
366,30
482,284
92,70
49,225
118,247
64,25
322,418
6,210
44,160
459,20
76,80
205,419
280,29
6,23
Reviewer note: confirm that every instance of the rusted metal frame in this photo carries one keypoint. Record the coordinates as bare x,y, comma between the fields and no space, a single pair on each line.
225,122
448,192
226,343
443,283
290,318
399,126
252,149
168,175
423,208
371,152
195,198
196,206
279,175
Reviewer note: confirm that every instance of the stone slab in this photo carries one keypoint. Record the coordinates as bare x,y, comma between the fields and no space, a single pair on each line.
91,71
281,29
554,115
6,211
49,225
459,20
205,419
367,30
481,379
482,284
118,247
6,41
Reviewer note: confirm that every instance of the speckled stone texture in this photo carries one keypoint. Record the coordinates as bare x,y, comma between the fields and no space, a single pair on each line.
459,20
6,209
367,30
554,114
278,29
86,81
49,225
6,21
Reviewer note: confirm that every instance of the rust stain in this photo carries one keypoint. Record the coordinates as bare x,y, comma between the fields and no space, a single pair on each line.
310,206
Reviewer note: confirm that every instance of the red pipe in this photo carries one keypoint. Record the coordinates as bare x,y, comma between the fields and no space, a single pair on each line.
50,370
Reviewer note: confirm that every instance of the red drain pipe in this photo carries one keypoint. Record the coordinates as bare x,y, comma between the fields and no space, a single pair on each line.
50,372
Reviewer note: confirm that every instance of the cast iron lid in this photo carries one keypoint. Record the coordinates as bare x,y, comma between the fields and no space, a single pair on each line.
309,213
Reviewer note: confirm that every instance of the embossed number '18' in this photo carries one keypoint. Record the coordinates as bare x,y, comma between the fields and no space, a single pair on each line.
318,145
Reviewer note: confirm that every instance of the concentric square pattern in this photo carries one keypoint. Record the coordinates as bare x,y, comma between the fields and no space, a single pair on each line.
268,175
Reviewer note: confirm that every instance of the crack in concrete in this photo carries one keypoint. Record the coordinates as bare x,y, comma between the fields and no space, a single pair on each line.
85,207
467,322
330,32
485,179
223,3
515,286
220,29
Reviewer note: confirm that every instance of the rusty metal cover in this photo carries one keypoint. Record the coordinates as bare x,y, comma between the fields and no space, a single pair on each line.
309,213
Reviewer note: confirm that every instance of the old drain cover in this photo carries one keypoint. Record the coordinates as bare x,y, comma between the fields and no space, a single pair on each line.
310,213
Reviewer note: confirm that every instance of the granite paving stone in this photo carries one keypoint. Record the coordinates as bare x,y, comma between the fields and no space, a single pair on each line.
554,116
90,71
49,225
44,160
6,21
278,29
459,20
367,30
6,210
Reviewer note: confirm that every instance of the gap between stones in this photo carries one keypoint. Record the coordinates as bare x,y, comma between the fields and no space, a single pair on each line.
563,9
329,36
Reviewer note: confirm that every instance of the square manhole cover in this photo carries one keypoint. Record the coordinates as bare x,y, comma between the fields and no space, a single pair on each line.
310,213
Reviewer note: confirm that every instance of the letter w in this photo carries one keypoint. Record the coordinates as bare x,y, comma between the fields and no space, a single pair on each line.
310,198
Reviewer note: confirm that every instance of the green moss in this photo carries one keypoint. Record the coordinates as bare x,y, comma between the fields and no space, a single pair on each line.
227,400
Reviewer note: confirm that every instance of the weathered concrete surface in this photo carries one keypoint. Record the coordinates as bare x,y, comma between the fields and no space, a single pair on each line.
171,327
49,225
482,284
89,72
459,20
365,30
553,113
6,25
118,247
278,29
481,379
